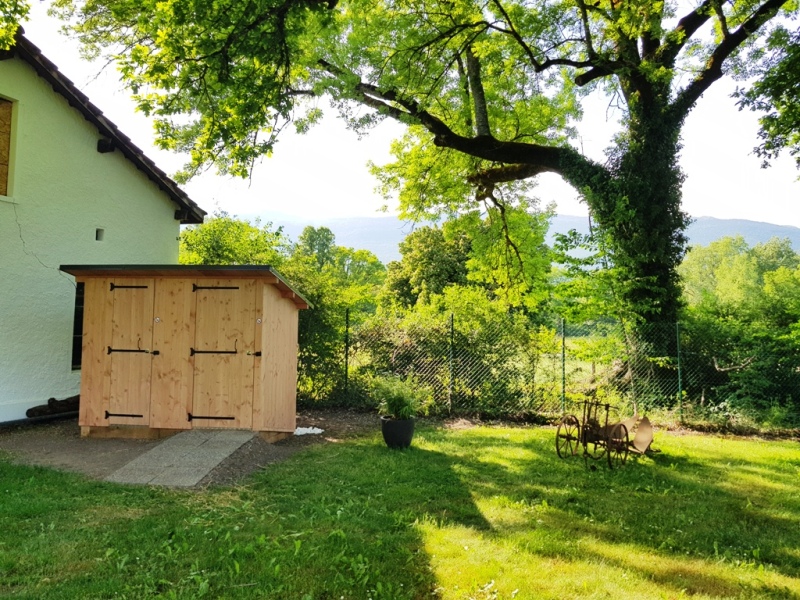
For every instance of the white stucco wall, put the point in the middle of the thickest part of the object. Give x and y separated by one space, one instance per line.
61 191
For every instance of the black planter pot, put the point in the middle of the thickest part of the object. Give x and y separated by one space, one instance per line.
397 433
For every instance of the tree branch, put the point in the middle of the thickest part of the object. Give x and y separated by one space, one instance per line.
651 43
521 160
592 74
587 32
489 177
686 99
683 32
478 95
745 363
515 34
723 21
462 75
539 66
501 207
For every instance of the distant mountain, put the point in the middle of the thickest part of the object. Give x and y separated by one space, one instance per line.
705 230
382 235
379 235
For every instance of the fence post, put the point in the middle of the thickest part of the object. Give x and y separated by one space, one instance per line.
680 372
450 364
346 346
563 366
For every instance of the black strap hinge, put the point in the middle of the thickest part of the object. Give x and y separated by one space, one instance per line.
130 350
196 287
196 417
235 350
108 414
114 286
192 352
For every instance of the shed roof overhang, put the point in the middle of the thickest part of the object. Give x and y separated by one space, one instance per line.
260 272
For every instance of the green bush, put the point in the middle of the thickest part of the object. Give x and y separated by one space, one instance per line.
400 398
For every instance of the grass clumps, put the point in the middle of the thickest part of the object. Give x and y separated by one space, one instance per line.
486 513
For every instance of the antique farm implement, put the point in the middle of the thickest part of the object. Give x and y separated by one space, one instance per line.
601 439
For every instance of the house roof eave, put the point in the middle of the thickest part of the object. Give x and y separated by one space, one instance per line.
188 212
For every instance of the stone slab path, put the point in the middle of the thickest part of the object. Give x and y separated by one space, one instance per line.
182 460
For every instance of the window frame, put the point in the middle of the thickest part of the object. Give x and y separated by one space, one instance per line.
77 326
6 130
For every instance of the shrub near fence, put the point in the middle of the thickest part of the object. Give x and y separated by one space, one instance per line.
517 369
507 370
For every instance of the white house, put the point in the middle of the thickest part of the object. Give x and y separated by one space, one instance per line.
73 190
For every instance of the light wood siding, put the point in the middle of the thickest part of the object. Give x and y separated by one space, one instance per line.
5 144
278 374
221 349
223 383
96 364
173 367
131 371
258 363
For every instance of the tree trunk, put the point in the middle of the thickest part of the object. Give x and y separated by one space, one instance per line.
639 215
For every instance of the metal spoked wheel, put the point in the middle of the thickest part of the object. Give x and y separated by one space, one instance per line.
617 446
594 445
568 436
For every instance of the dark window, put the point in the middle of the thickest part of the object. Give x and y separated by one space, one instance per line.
77 328
5 144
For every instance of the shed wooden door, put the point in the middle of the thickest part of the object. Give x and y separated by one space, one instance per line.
96 364
223 353
129 349
173 367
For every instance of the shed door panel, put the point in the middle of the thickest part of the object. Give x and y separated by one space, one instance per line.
96 362
223 354
173 369
129 348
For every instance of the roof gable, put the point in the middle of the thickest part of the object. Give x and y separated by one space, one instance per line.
111 137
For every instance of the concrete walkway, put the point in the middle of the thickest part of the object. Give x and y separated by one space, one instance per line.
183 459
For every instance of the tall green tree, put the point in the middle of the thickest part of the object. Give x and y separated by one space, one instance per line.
776 94
430 262
742 323
336 279
730 280
489 90
357 275
226 240
318 242
12 13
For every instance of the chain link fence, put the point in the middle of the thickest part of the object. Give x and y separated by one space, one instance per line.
493 370
516 369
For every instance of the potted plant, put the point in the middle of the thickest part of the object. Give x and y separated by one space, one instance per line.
399 401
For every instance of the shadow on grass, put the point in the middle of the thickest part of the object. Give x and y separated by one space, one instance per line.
689 525
355 507
334 521
355 519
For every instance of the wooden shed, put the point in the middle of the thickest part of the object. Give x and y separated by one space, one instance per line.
171 347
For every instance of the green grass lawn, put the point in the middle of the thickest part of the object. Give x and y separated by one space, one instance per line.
480 513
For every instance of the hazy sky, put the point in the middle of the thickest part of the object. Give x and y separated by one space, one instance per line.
323 174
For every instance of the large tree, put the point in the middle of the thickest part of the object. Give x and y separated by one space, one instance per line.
11 13
489 89
776 94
